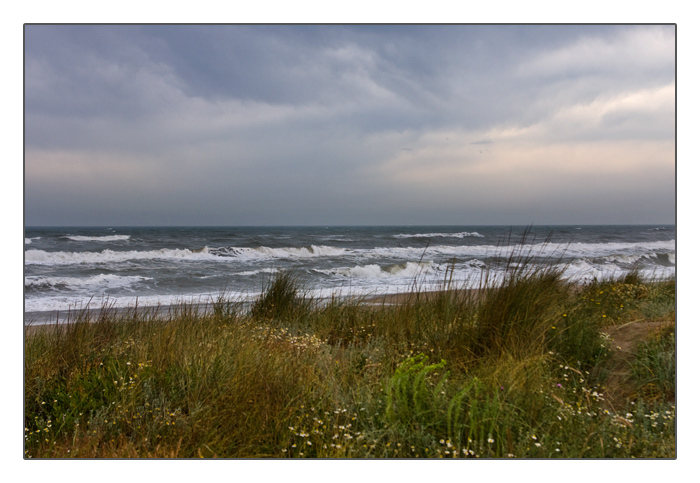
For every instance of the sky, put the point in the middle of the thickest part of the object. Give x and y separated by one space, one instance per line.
349 124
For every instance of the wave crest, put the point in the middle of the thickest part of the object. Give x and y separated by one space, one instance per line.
437 235
101 281
106 238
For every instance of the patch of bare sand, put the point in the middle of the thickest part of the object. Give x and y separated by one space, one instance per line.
625 338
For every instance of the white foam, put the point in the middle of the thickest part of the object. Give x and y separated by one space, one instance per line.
248 273
95 303
584 270
376 272
627 259
106 238
313 251
41 257
604 249
437 235
578 250
101 281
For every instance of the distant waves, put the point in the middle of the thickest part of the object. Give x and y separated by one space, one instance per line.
69 267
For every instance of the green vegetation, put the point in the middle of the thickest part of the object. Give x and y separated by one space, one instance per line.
517 369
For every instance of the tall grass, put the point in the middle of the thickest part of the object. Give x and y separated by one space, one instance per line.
282 298
654 365
512 369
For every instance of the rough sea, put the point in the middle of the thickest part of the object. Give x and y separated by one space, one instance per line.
67 268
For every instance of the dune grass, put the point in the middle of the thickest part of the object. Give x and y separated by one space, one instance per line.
513 369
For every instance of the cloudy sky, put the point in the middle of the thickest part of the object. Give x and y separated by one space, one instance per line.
335 125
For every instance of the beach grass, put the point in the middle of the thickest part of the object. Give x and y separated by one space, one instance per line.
521 367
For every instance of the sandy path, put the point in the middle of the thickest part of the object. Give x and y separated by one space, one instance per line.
624 341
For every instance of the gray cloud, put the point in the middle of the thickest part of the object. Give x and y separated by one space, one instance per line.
259 124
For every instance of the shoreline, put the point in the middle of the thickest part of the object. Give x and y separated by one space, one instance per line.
66 316
54 317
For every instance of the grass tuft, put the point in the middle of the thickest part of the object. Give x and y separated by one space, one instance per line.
283 297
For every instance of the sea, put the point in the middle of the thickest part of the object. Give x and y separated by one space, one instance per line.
73 268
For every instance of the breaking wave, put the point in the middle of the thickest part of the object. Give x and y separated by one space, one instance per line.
106 238
101 281
622 252
437 235
41 257
375 271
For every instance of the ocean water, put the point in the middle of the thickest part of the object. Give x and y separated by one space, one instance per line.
71 267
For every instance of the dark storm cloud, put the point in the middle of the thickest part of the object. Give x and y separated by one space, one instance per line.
337 124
